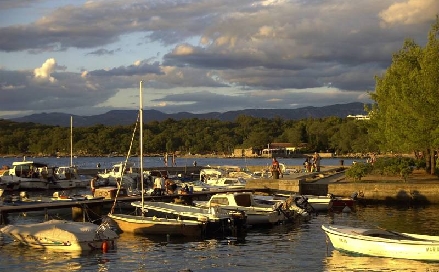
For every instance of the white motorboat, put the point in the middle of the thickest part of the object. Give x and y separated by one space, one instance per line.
219 178
320 203
28 175
63 235
121 173
67 177
383 243
257 214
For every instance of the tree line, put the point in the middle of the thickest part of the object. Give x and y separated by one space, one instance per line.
194 136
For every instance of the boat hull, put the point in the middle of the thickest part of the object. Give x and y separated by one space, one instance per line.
157 226
61 235
403 246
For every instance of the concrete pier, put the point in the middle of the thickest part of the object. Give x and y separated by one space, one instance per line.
332 181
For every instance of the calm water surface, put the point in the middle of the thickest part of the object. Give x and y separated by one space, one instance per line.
291 247
299 247
107 162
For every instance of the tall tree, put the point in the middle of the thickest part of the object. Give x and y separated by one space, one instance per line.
407 97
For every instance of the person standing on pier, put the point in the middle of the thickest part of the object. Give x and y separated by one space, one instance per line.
159 185
275 169
165 159
316 159
174 163
93 184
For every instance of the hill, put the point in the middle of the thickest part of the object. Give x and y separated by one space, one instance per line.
124 117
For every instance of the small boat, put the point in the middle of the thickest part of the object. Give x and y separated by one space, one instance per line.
383 243
342 203
218 224
152 225
257 213
67 177
220 179
63 235
121 173
28 175
320 203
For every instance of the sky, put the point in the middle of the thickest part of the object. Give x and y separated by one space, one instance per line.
88 57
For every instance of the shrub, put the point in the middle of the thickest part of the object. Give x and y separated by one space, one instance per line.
395 166
358 170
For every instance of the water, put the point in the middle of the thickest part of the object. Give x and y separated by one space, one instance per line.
291 247
299 247
107 162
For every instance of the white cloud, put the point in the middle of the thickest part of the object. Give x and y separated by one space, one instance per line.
46 69
410 12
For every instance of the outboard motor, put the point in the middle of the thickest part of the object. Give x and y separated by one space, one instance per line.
302 202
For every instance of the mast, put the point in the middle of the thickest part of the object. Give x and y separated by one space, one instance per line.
71 140
141 144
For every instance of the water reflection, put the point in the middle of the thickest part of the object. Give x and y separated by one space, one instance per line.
343 261
290 247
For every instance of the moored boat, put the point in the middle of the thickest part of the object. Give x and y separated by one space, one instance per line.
383 243
216 224
257 213
67 177
62 235
28 175
152 225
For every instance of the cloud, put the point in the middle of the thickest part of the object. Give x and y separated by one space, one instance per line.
102 51
410 12
200 55
45 70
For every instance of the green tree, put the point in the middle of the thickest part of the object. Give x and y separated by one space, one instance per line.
407 97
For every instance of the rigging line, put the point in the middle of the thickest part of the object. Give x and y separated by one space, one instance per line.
119 183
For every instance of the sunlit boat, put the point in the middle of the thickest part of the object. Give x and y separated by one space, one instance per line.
62 235
383 243
257 213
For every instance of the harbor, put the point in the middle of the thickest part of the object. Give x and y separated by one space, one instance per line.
288 240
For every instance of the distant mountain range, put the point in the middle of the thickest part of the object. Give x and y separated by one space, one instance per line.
126 117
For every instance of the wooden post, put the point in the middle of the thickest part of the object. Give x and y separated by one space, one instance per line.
4 218
87 212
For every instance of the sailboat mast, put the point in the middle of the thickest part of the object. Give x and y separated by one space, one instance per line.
71 140
141 143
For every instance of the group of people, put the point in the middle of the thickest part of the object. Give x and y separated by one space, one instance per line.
312 164
166 186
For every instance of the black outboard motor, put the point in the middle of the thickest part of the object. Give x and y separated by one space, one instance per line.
302 202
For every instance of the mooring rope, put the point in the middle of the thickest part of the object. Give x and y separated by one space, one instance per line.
119 183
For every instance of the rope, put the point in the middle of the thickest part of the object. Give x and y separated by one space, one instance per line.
119 183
